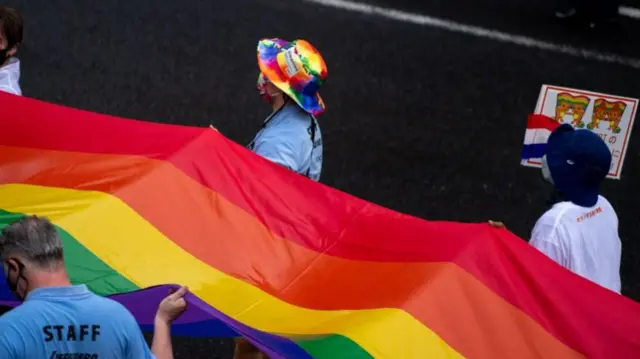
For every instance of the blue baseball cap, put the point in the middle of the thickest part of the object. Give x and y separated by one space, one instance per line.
578 160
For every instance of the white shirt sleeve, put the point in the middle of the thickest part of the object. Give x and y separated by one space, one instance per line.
545 239
9 77
10 89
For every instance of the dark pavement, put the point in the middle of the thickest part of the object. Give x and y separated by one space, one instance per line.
533 18
421 120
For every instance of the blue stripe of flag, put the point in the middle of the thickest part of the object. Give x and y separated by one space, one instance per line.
536 150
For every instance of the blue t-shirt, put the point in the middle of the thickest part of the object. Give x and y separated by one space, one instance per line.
291 138
70 323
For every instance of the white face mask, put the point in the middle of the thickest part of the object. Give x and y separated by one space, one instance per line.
546 173
263 89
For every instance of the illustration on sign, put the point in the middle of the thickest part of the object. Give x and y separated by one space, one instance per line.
610 117
575 106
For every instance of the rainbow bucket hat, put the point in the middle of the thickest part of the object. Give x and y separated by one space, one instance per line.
296 68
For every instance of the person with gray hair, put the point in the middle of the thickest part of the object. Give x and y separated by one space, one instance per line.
61 320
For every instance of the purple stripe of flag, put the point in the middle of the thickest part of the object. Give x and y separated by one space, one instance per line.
199 320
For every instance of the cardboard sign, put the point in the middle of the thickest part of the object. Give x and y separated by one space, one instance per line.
610 117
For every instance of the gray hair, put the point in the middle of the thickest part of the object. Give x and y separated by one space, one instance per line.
33 239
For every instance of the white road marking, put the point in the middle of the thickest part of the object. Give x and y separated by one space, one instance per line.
630 12
424 20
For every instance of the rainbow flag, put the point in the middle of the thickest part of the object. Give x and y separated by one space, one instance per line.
300 269
539 128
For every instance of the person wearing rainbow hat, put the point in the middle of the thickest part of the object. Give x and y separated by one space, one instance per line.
290 75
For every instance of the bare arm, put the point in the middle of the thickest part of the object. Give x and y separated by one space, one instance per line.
161 346
169 309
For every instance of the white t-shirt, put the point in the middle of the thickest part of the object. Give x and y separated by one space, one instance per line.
10 77
583 240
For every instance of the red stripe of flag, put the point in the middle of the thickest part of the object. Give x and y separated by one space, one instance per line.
538 121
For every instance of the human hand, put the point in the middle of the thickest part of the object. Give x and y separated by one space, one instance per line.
172 306
496 224
213 128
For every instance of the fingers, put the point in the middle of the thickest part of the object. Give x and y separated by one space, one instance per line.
179 293
496 224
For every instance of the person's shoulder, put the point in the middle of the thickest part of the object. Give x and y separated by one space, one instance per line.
13 320
607 211
27 307
10 77
295 117
556 214
290 128
10 316
604 202
108 304
112 314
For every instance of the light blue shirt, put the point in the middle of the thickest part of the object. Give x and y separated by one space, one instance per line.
10 77
291 138
70 323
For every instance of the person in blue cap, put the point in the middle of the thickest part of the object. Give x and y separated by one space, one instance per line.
580 231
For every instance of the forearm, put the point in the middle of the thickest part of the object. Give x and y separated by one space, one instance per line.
161 345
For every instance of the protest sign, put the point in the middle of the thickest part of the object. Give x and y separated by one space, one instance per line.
610 117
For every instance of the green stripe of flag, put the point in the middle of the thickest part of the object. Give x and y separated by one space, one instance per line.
85 268
333 347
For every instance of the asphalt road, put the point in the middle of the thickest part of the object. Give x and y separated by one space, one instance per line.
421 120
